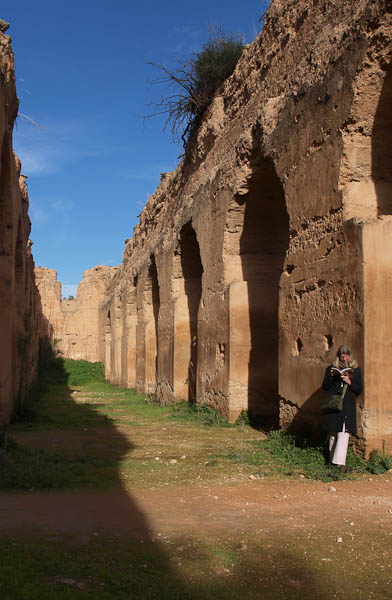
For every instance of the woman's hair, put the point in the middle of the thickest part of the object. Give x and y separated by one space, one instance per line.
343 349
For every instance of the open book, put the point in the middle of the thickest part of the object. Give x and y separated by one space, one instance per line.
345 371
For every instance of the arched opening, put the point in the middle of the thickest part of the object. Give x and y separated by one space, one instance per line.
382 148
262 246
129 351
151 314
108 343
187 288
116 336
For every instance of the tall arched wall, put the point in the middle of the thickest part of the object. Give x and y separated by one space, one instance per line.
287 251
19 299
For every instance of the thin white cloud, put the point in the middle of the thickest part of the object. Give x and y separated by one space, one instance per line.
63 206
39 215
36 161
48 148
44 212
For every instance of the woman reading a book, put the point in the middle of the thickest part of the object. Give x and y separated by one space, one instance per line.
344 378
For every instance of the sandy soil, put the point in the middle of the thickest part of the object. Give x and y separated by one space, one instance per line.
273 506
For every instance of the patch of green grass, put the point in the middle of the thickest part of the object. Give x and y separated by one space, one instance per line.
252 457
378 463
244 418
222 554
281 453
67 371
293 457
57 408
26 468
103 570
54 370
81 372
201 413
283 564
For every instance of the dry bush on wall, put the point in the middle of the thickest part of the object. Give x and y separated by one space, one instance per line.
193 84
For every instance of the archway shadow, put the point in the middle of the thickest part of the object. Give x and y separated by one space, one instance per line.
263 245
192 271
381 147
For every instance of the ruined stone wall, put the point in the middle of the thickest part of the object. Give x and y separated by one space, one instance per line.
19 300
269 246
72 325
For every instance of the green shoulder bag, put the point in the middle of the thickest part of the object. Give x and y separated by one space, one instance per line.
333 402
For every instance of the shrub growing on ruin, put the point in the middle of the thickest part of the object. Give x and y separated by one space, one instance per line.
194 83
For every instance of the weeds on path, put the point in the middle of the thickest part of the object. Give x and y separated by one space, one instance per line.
96 435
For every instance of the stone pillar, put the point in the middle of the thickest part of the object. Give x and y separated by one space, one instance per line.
377 264
239 348
182 346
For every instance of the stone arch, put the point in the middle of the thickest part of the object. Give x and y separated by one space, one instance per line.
187 289
151 305
256 241
381 141
365 171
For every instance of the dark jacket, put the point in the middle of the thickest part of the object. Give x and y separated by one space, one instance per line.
333 422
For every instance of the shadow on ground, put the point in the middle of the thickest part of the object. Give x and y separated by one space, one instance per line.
97 543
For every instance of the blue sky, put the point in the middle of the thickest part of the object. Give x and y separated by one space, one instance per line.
82 77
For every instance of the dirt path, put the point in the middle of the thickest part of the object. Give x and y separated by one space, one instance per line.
231 530
294 539
290 505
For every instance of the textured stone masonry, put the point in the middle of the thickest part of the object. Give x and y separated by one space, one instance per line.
271 244
19 299
72 325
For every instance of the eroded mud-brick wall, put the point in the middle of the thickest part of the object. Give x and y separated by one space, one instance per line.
270 245
19 299
72 325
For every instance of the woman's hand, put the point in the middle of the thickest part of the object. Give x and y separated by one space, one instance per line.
346 379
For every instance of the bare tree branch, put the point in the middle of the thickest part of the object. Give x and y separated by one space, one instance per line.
195 83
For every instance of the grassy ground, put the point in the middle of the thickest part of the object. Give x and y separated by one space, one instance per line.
102 436
87 434
177 568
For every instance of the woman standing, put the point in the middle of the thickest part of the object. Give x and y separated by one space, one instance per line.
340 424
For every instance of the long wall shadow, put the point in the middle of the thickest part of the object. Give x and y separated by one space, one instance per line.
82 513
